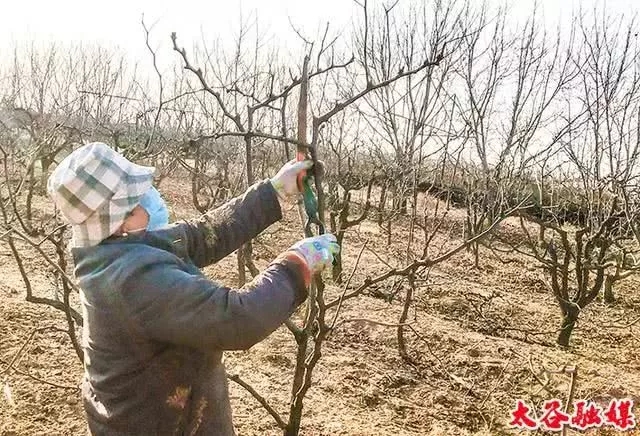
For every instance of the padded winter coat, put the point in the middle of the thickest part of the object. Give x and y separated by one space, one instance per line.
155 327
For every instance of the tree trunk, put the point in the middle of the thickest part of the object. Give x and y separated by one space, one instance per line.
44 175
389 231
336 272
382 203
248 259
295 412
476 255
570 312
541 231
197 182
29 201
242 274
402 347
343 222
399 203
293 428
62 263
608 290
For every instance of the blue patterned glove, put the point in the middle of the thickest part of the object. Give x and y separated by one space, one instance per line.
317 251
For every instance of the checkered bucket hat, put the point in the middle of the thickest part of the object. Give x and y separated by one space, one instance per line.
95 188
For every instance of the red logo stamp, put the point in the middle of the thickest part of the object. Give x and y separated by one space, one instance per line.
586 414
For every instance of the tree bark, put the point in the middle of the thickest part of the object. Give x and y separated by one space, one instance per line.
382 203
570 312
402 346
242 274
608 290
336 272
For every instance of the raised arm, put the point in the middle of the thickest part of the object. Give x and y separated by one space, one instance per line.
171 305
223 230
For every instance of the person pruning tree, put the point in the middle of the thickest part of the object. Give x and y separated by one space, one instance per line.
155 327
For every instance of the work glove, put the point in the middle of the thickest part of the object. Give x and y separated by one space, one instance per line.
285 182
317 251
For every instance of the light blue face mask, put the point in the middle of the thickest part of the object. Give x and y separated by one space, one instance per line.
155 206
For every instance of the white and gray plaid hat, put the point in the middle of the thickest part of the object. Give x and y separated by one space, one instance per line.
95 188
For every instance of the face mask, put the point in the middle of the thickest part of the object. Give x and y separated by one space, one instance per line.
155 206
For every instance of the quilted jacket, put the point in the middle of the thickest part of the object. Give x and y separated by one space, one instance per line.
155 327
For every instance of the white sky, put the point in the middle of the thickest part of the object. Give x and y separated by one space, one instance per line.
118 21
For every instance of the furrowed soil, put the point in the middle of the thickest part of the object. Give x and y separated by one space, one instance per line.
479 339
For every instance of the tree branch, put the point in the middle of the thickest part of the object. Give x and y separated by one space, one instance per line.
263 402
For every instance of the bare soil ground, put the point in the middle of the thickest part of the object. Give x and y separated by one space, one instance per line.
483 338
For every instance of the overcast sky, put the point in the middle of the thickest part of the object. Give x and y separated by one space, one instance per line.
116 23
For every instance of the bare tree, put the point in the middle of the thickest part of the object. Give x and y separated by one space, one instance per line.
263 96
592 245
245 93
512 79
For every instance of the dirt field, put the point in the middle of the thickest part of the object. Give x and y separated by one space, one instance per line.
484 339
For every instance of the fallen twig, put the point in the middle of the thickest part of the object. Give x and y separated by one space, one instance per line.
46 382
624 326
443 367
26 342
504 368
263 402
573 371
372 321
544 385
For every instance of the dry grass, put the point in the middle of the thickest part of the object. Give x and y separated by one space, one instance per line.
486 337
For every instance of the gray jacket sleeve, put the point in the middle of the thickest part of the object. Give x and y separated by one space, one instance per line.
172 302
172 305
223 230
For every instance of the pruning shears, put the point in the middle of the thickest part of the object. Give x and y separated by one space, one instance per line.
309 199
